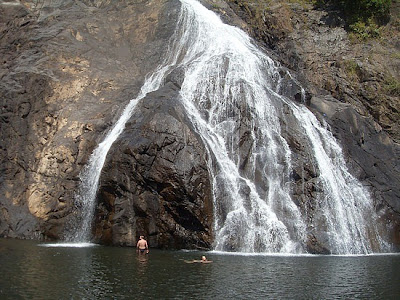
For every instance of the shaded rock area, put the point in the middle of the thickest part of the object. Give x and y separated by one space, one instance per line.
155 181
67 69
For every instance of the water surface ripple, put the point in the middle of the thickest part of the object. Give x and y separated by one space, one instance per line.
33 271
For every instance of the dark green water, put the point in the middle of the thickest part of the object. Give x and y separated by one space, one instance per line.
31 271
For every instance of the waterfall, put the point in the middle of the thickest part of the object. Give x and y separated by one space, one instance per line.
346 207
231 91
228 88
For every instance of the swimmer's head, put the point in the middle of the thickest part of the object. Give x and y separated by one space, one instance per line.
203 258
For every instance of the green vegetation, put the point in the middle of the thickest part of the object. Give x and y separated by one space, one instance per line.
365 30
303 2
396 55
392 86
215 6
363 10
363 17
254 8
352 69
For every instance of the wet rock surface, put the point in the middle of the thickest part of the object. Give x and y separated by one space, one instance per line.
155 180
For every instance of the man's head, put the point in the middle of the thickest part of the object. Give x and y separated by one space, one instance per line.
203 258
141 237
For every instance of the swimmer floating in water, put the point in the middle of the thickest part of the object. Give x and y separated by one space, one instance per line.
203 260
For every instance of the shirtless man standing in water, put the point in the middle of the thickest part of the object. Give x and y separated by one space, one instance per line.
142 246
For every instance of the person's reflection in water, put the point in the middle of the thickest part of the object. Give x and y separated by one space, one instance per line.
142 259
141 277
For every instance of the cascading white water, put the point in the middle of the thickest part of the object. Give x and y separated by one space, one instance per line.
230 92
346 208
229 85
226 80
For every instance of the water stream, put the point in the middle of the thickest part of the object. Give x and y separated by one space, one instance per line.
232 93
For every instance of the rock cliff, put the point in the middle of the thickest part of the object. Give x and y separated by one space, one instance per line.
156 180
69 67
67 70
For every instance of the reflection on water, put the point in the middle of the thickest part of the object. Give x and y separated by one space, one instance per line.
32 271
141 271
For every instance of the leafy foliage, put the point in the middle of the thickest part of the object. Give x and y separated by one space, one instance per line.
363 17
392 86
367 11
365 30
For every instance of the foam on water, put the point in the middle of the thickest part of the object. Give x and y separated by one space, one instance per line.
68 245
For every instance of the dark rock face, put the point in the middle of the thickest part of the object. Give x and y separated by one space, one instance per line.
155 182
67 69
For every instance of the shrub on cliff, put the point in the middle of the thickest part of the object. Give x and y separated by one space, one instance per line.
362 10
377 11
363 17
